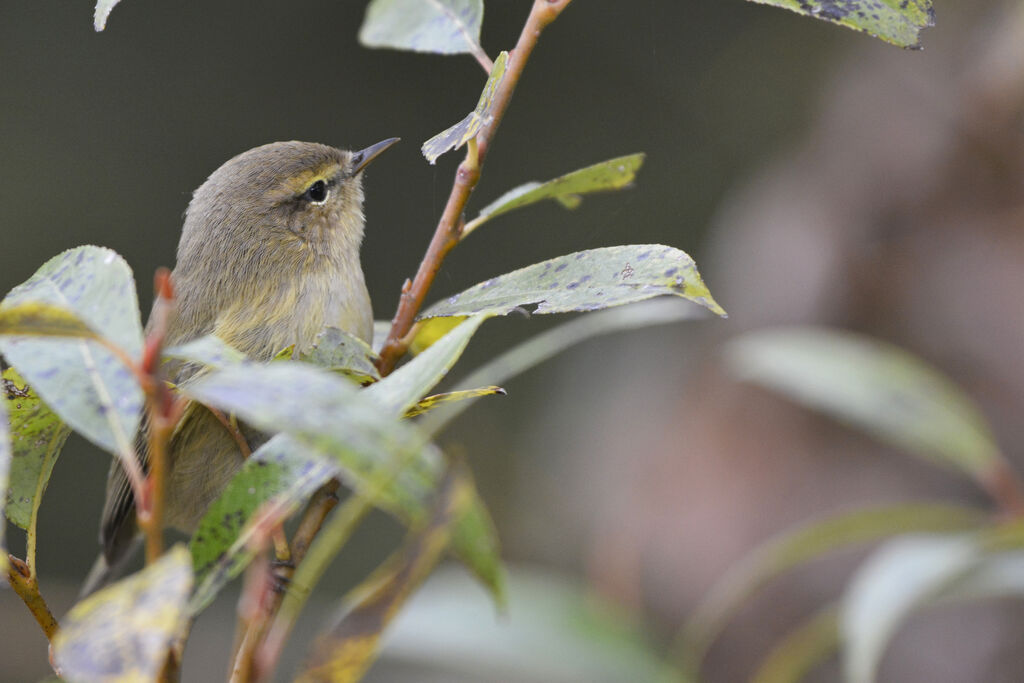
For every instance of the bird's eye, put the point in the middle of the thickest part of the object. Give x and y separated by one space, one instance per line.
317 192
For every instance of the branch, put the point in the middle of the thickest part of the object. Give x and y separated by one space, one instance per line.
449 228
24 583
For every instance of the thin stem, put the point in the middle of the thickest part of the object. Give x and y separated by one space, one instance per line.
26 586
482 58
450 227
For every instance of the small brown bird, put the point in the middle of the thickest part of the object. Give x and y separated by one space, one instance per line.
269 256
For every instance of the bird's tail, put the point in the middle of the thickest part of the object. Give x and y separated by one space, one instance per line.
103 572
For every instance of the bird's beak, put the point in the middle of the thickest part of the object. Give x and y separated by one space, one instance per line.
363 157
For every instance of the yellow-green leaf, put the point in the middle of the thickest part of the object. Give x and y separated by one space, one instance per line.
614 174
800 650
466 129
5 466
429 331
431 402
122 633
895 21
37 437
39 319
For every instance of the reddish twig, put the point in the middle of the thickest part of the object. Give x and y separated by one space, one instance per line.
449 228
163 412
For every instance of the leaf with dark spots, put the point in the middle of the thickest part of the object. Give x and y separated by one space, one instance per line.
37 437
124 631
83 382
895 21
605 277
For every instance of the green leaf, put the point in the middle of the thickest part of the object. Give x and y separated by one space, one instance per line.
585 281
103 9
614 174
283 473
326 413
803 648
81 381
448 632
209 350
428 403
124 632
872 385
897 579
803 544
550 343
38 436
895 21
348 649
402 389
440 26
466 129
339 351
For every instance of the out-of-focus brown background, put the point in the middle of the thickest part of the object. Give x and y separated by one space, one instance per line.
816 175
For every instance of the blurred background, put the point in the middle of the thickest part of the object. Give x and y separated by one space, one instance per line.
816 175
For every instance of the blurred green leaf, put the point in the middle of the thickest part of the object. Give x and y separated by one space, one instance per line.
122 633
800 650
550 343
895 21
37 437
339 351
614 174
448 631
403 388
350 647
808 542
475 540
102 12
209 350
84 383
281 472
897 579
466 129
430 402
328 414
440 26
996 575
585 281
873 385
